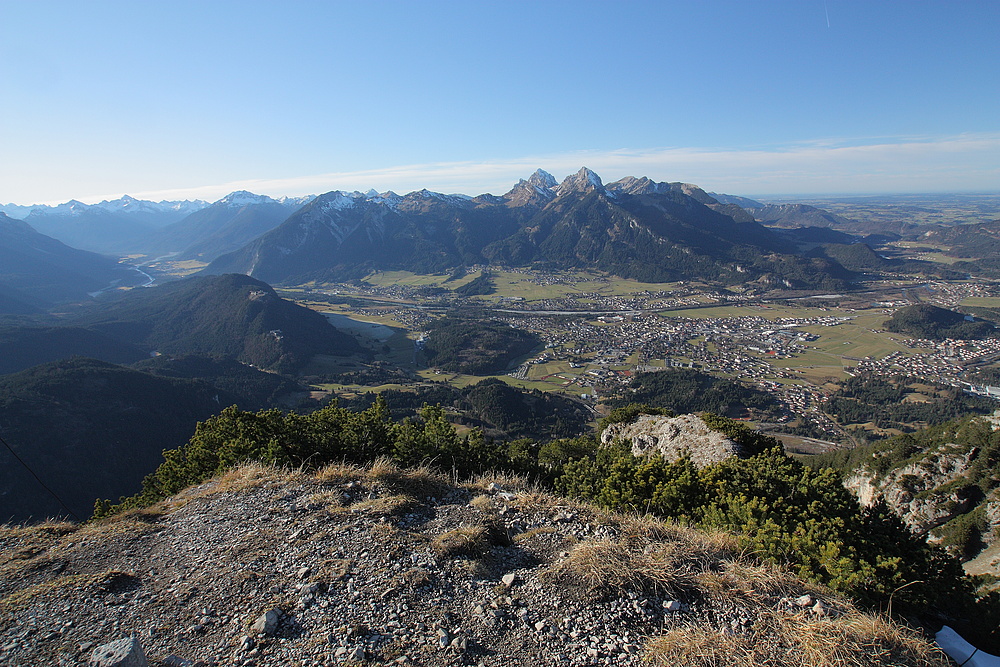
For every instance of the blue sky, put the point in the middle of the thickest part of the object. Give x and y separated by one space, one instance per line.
167 100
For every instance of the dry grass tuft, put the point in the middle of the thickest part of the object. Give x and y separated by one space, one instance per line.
22 543
386 533
73 586
481 502
248 476
703 647
333 569
336 473
419 482
605 566
417 577
849 640
857 639
757 583
534 532
505 480
326 499
396 505
462 541
46 590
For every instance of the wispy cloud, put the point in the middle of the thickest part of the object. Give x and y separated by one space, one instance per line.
900 164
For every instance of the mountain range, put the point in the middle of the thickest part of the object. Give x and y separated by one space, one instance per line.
634 228
108 227
188 229
221 227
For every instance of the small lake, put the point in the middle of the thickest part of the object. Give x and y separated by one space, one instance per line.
379 332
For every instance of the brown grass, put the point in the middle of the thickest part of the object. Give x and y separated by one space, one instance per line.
804 640
82 585
507 481
337 473
419 482
481 502
252 475
756 583
534 532
330 570
139 521
613 566
462 541
21 543
327 499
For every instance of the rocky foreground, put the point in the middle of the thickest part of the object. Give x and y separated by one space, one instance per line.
380 565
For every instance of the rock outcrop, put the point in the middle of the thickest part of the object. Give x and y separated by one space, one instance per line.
673 437
923 493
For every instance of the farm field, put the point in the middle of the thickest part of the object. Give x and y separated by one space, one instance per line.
982 301
527 285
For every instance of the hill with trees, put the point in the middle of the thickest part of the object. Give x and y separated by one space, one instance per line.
252 389
27 346
231 315
901 402
926 321
498 408
90 429
688 390
476 347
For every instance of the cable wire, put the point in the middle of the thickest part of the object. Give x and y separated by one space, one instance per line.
38 479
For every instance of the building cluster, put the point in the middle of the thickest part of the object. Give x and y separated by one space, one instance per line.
605 339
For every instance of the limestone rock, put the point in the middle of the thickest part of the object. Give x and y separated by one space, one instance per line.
672 437
911 491
267 623
125 652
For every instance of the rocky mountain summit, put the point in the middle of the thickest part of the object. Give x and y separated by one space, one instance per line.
382 565
673 437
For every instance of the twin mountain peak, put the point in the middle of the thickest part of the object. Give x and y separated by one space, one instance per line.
635 228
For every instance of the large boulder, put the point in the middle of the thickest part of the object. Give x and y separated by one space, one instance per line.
674 437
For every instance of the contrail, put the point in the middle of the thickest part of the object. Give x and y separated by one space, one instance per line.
827 14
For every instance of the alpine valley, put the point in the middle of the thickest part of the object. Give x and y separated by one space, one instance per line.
813 383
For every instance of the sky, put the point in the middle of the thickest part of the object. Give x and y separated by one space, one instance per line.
180 100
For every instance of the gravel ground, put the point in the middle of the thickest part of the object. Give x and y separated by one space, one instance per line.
378 566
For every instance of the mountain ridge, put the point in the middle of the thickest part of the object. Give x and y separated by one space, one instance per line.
633 228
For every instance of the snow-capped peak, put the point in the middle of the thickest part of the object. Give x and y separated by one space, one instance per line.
339 200
295 201
543 179
582 181
243 198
